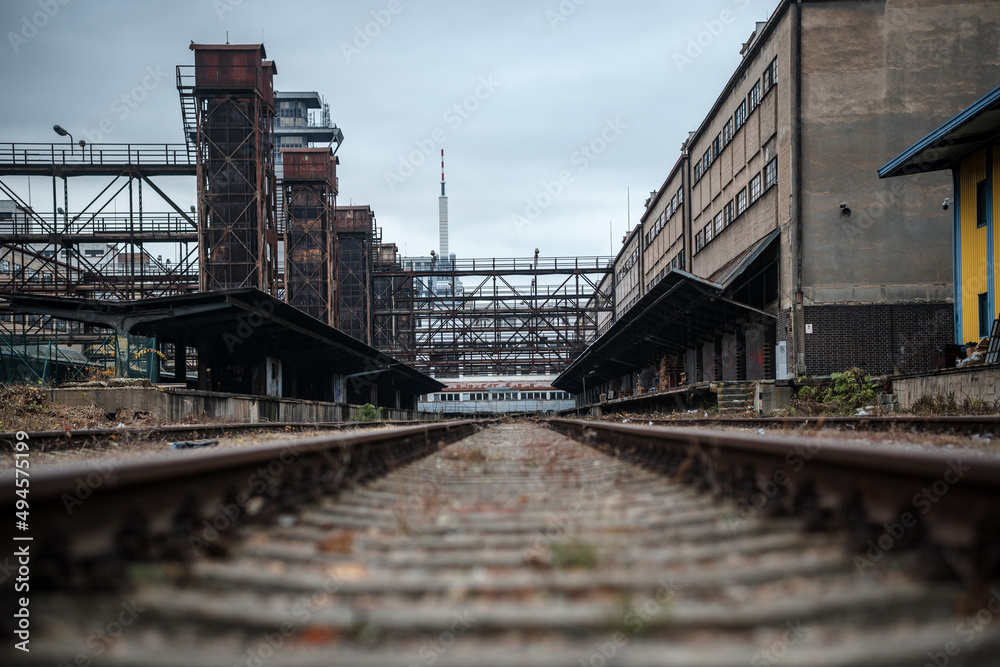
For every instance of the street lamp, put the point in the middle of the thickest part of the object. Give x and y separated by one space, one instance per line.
62 132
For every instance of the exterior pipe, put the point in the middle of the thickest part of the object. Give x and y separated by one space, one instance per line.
798 325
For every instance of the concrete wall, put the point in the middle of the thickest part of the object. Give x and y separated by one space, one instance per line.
877 76
979 382
175 405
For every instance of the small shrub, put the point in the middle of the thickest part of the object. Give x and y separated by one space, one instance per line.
852 389
848 391
368 413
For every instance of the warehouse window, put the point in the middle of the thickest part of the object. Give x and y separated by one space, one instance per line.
741 202
718 223
697 171
741 114
753 99
708 233
771 75
755 188
698 242
984 315
4 266
727 132
730 213
680 260
981 204
771 174
717 146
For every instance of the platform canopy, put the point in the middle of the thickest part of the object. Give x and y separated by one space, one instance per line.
677 313
237 316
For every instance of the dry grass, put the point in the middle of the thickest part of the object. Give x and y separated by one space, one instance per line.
25 408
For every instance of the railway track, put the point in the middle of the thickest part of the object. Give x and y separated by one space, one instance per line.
959 424
62 439
519 545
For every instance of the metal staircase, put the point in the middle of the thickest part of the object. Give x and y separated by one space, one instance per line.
189 108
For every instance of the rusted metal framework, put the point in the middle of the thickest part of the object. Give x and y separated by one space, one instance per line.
94 250
309 194
356 245
230 91
524 316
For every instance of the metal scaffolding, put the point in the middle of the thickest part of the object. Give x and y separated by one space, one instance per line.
43 250
492 322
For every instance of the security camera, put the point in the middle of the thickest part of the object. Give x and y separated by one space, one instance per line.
944 204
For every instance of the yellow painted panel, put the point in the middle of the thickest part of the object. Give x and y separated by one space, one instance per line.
973 244
995 185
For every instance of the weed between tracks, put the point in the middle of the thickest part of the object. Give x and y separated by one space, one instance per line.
573 553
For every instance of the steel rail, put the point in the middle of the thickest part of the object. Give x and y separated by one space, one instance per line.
57 439
928 423
945 503
87 521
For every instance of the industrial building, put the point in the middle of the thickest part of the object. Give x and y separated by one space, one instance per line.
230 316
764 253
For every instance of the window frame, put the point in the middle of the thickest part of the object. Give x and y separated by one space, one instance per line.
742 194
984 315
771 174
755 188
753 97
740 116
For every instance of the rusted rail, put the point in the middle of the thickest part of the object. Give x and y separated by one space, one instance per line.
57 439
967 424
87 521
943 503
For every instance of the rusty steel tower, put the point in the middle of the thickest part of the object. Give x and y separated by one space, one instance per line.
309 194
232 106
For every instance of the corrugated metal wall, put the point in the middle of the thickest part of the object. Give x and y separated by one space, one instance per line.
974 244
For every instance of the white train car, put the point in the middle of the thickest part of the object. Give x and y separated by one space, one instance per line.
521 393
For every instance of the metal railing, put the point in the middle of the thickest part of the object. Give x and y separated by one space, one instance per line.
500 264
39 154
105 223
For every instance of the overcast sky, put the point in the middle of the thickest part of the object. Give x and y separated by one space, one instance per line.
562 107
